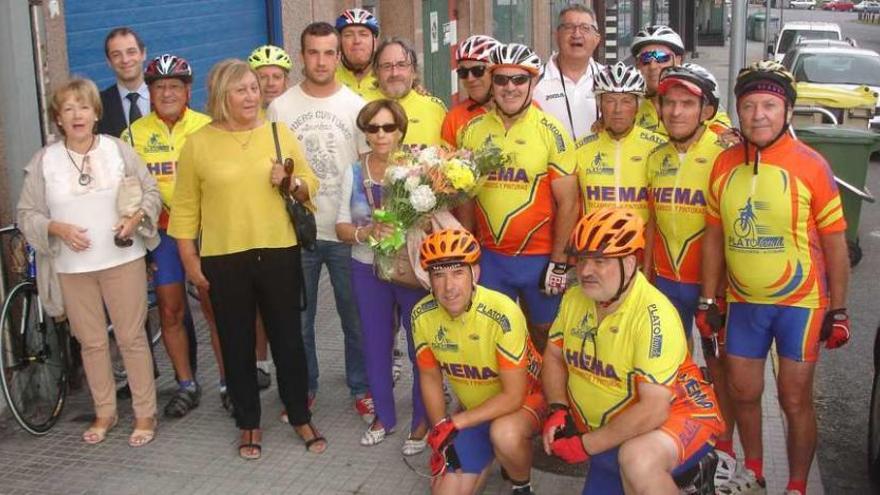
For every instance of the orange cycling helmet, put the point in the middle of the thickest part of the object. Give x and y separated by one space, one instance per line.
608 232
449 247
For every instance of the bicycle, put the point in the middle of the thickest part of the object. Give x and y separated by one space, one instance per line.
874 416
34 353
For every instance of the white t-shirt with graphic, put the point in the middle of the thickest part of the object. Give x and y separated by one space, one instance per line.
327 130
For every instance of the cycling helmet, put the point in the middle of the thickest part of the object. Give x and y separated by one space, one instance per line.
267 55
449 247
357 17
167 66
695 78
608 232
658 34
477 47
769 76
515 55
619 78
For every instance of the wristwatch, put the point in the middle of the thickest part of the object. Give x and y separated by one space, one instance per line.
706 300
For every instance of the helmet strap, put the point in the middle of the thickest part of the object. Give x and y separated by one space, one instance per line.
357 70
624 285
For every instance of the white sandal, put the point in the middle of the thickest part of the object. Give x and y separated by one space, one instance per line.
374 437
413 446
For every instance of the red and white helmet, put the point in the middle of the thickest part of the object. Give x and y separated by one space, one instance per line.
167 66
477 47
516 55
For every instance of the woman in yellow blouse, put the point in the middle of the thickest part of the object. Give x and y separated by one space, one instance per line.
249 256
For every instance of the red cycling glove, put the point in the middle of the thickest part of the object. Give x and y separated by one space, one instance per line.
835 329
708 319
567 442
442 434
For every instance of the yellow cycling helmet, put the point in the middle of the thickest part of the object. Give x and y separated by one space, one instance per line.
267 55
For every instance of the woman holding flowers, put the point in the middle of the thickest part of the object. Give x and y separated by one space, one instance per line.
384 123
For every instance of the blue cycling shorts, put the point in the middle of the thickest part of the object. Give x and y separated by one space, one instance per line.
519 278
169 267
751 328
684 296
474 448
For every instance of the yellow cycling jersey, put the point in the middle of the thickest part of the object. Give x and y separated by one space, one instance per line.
160 147
367 87
773 206
642 340
649 118
515 205
473 349
678 192
425 114
613 172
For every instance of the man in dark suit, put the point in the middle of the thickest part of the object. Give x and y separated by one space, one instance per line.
128 99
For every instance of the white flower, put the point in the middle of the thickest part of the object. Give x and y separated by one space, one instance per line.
429 155
396 173
422 199
412 182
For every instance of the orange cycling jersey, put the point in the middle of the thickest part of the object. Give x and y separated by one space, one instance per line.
678 184
772 208
457 118
475 347
515 206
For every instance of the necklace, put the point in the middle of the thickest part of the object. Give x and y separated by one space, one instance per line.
243 144
85 178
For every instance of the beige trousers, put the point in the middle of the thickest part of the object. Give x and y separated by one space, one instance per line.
123 290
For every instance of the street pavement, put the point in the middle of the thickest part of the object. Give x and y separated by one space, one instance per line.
198 454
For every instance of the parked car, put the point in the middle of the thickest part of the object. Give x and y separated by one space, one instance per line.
836 66
802 4
792 31
838 5
867 6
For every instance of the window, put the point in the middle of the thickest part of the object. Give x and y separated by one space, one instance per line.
789 36
838 68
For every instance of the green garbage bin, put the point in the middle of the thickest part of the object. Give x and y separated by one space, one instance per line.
756 24
848 151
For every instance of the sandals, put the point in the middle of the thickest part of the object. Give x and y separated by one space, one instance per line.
316 439
183 402
249 449
96 434
142 436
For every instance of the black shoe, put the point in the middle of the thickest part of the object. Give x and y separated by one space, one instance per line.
183 402
264 379
523 490
227 402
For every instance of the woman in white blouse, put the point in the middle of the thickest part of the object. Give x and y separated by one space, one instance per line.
68 212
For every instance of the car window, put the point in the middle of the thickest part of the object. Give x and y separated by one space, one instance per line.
837 68
789 36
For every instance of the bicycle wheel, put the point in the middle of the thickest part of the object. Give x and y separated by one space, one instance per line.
33 360
874 416
154 323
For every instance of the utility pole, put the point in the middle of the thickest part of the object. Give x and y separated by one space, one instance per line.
737 52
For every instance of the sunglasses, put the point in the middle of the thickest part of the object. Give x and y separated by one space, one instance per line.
374 128
518 80
659 56
477 71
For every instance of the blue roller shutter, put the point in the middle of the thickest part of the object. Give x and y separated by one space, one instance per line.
204 32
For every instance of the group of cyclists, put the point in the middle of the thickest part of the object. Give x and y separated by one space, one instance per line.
562 307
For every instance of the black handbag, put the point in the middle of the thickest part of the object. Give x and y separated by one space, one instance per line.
302 218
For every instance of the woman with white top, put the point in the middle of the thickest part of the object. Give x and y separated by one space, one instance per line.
89 257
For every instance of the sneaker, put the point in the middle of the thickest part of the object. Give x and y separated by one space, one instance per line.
523 490
373 436
264 379
414 446
725 469
365 409
744 482
396 366
183 401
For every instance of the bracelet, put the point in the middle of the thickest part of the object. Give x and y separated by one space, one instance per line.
357 230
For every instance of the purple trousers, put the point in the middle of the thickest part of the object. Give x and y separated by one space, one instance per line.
377 301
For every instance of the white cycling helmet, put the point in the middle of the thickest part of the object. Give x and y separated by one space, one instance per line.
515 55
478 47
658 34
620 78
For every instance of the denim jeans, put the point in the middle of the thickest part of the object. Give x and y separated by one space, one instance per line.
337 257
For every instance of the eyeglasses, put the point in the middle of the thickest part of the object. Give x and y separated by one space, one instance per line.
477 71
659 56
402 65
518 80
585 28
374 128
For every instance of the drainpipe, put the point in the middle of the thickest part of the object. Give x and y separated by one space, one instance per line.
40 63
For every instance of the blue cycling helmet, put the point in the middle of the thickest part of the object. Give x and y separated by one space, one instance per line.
357 17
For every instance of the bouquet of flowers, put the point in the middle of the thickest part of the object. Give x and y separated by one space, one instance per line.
421 181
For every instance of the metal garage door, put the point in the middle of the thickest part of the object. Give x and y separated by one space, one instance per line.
202 31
